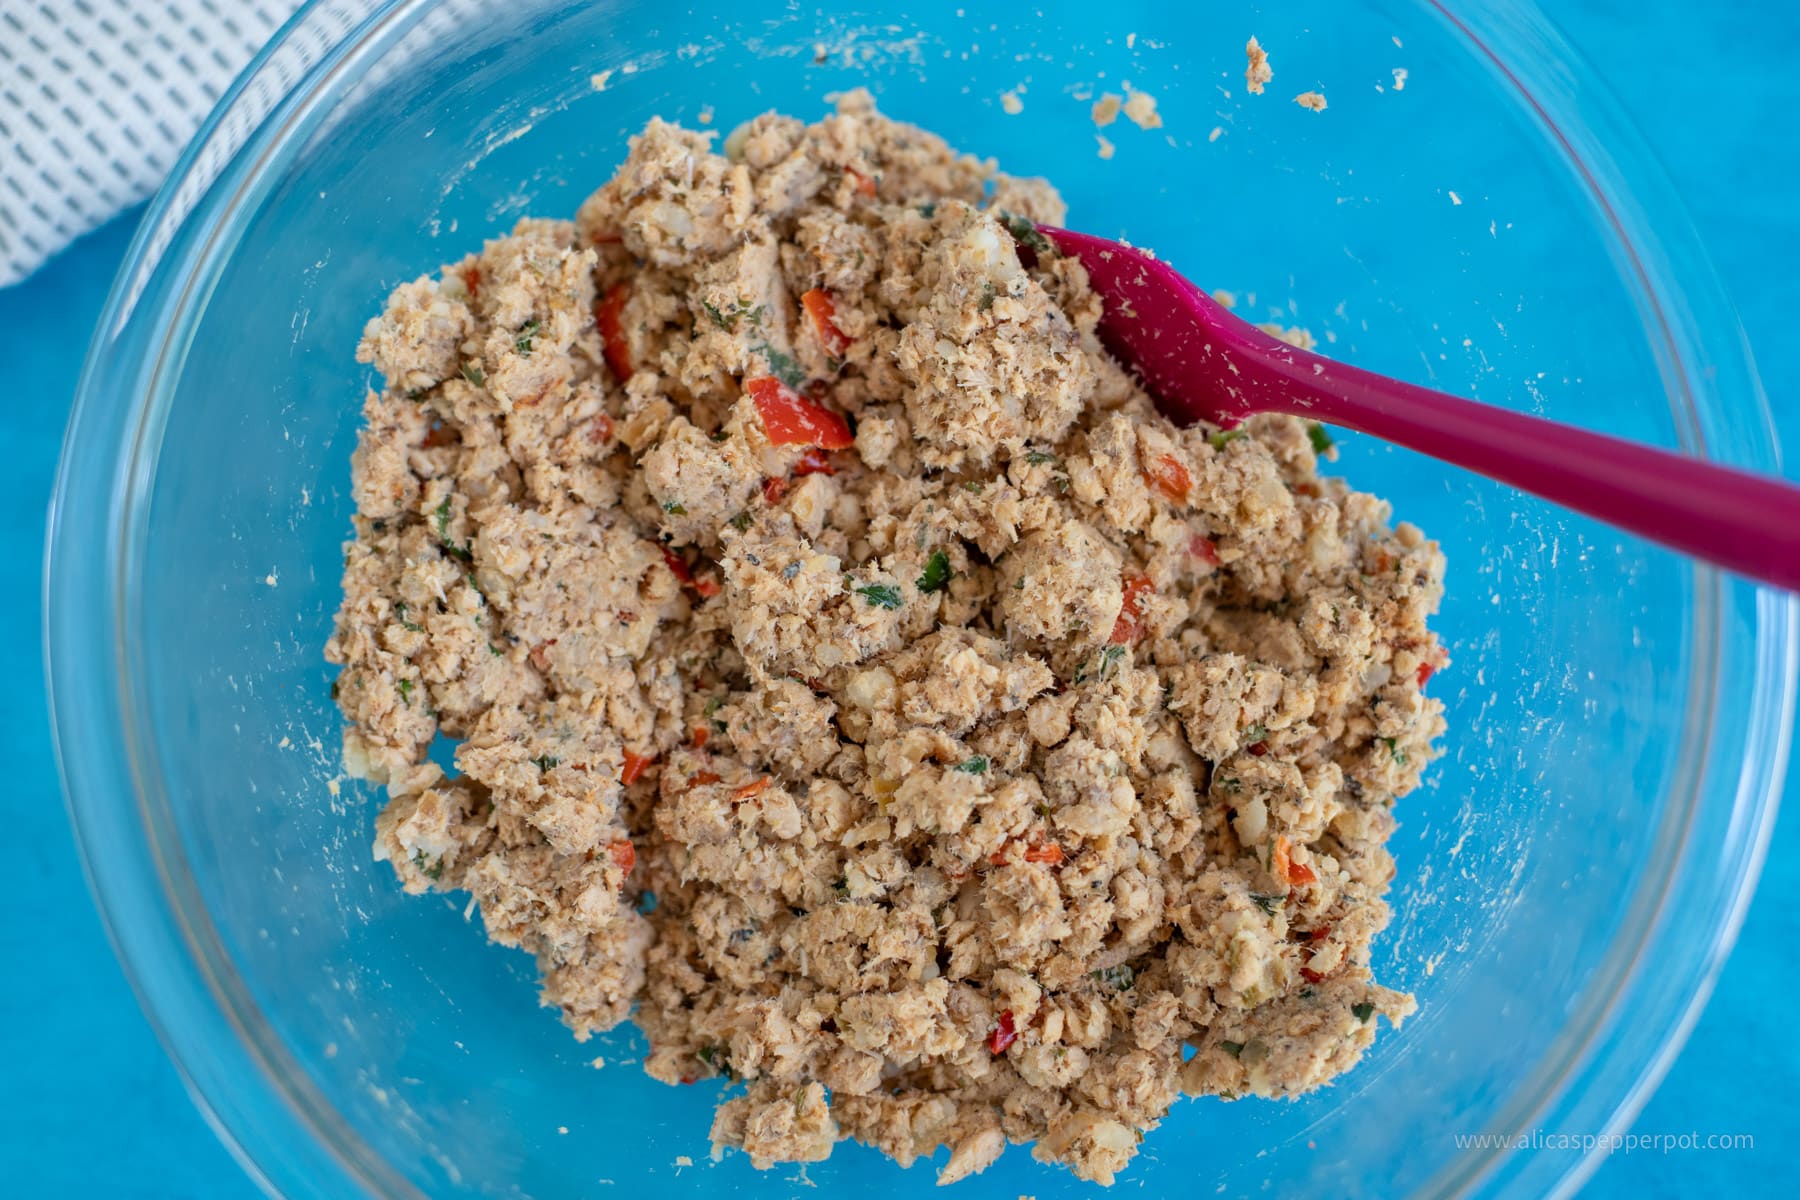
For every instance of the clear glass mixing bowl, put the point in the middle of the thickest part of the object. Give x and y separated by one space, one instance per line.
1568 882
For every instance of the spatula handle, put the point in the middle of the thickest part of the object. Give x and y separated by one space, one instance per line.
1744 523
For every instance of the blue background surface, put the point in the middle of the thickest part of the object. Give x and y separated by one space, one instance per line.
90 1105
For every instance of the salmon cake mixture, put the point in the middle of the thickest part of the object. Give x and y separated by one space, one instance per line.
854 681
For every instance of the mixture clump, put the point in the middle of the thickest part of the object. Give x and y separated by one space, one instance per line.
854 680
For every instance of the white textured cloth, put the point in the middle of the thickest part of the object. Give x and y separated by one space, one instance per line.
97 100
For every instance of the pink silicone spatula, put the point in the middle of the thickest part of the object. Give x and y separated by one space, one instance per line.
1202 363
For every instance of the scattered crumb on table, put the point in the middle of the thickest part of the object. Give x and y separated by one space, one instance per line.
1140 109
1312 100
1258 72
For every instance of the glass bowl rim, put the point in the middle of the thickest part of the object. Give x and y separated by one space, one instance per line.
179 968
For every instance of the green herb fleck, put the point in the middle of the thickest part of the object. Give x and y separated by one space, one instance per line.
443 518
416 393
1315 433
1265 901
527 331
741 522
755 316
1256 733
783 365
545 762
986 303
474 374
977 765
406 687
881 595
1394 749
1025 233
336 690
727 323
675 508
1039 458
1120 977
1232 1048
937 572
1231 785
972 485
708 1055
400 612
494 650
434 871
1224 437
1363 1012
1109 659
713 705
928 209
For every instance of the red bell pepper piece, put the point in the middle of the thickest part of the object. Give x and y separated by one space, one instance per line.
1004 1034
635 766
821 310
752 789
792 420
1169 479
610 314
1130 626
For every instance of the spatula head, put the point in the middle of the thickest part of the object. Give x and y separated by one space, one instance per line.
1177 339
